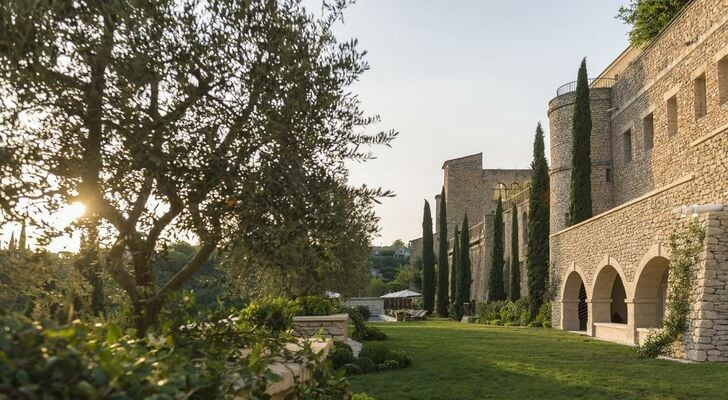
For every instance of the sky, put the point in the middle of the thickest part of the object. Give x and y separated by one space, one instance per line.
463 77
457 77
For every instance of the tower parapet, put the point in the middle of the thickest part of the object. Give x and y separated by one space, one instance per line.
561 115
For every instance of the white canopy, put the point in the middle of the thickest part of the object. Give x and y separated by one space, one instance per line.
402 294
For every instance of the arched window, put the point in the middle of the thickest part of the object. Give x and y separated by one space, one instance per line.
515 188
500 190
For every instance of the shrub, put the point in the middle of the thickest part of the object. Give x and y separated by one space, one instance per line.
316 305
489 311
364 311
543 318
361 330
274 314
366 364
200 360
362 396
383 358
341 355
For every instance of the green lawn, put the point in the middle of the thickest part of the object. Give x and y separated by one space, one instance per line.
470 361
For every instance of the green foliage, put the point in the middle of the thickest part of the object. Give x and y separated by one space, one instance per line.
385 359
428 261
649 17
376 288
488 311
200 360
361 330
455 275
543 318
580 205
362 396
537 251
316 305
686 243
515 283
443 270
341 355
464 279
496 291
43 286
273 314
505 312
364 311
230 121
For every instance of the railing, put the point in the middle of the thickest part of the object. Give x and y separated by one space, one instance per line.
474 232
517 198
595 83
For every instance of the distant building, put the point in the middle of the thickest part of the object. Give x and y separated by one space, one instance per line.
473 190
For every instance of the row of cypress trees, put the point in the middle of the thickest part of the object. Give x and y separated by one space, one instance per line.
537 254
452 291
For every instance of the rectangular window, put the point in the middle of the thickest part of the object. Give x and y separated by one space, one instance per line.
672 115
609 175
627 145
723 79
700 97
648 129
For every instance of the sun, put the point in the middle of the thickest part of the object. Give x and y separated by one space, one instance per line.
69 214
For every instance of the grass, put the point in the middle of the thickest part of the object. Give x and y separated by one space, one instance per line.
470 361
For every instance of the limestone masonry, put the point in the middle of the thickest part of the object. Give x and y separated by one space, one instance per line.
659 141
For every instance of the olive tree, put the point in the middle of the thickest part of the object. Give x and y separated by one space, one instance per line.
227 120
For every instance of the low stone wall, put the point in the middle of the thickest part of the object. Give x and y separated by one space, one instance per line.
331 326
291 372
374 304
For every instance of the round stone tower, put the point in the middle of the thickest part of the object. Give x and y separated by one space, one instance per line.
561 114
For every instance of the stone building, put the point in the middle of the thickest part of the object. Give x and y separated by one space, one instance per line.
659 141
472 190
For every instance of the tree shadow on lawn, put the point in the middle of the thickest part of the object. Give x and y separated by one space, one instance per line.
452 361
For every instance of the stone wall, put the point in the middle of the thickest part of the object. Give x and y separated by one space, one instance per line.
332 326
689 166
561 114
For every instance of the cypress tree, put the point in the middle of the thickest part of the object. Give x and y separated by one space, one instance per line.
537 252
464 279
442 264
428 261
495 281
11 244
22 245
580 206
515 286
455 266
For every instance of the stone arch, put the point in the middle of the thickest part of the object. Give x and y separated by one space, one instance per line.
609 293
500 190
574 307
650 288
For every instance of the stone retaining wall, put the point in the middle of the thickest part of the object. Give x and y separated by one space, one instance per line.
332 326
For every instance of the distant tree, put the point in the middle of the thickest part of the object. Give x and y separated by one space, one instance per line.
454 276
22 240
376 288
428 261
398 243
580 206
89 264
12 244
228 120
537 251
496 292
464 278
418 273
515 286
443 300
649 17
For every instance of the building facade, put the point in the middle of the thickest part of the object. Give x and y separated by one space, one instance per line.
472 190
659 141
